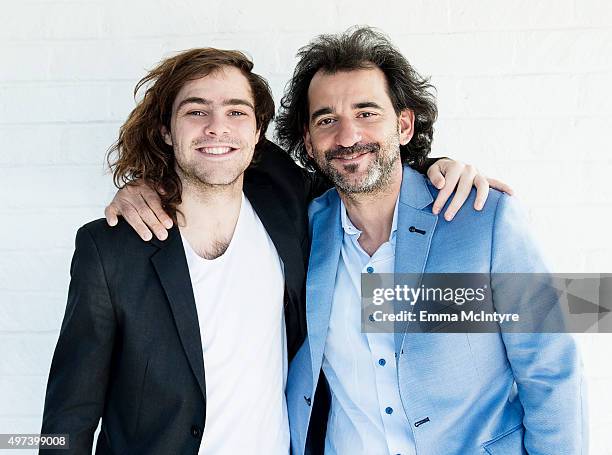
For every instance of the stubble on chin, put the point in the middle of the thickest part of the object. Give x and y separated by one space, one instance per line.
378 174
194 174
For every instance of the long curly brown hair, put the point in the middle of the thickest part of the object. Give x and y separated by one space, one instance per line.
140 151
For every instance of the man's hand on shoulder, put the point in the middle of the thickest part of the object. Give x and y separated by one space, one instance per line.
449 175
141 207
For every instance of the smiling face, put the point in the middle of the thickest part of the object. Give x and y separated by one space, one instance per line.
213 128
353 132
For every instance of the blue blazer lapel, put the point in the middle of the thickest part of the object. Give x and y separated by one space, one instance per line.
415 228
321 278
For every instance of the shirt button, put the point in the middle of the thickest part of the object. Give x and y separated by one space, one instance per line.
195 431
370 269
389 410
382 362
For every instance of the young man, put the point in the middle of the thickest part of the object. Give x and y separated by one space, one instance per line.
140 315
363 113
182 345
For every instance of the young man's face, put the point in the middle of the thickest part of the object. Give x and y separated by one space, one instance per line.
213 129
353 132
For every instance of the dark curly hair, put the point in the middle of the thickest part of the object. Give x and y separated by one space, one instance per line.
140 151
357 48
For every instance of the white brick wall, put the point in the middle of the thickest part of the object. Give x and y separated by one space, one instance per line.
524 92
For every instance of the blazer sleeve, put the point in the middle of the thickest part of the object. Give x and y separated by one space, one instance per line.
546 366
79 372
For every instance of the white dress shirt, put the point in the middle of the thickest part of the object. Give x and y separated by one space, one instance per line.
366 415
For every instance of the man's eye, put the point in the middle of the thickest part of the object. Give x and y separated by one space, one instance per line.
366 114
326 121
196 113
236 113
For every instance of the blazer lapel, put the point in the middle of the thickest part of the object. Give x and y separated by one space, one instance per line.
321 278
279 227
170 264
414 233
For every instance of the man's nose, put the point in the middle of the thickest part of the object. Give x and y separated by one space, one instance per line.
348 134
217 125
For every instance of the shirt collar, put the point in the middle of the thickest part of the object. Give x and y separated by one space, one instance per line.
350 229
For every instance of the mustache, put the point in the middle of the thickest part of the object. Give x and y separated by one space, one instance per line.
207 142
340 151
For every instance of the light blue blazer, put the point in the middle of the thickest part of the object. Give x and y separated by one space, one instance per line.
467 393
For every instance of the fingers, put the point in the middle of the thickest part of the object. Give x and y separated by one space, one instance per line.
462 192
134 219
143 215
500 186
153 201
434 173
459 177
110 213
482 191
150 219
452 174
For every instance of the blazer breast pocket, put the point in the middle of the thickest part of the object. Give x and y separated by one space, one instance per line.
509 443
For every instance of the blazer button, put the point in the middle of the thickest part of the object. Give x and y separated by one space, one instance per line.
196 432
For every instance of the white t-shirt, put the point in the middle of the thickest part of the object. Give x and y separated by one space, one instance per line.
239 300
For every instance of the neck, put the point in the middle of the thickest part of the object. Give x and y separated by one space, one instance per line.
208 215
372 213
202 203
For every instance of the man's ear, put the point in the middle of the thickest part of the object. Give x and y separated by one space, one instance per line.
166 135
308 142
406 126
257 136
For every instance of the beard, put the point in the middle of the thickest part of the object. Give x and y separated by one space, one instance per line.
377 175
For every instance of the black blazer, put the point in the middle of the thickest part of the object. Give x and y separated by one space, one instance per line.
129 349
